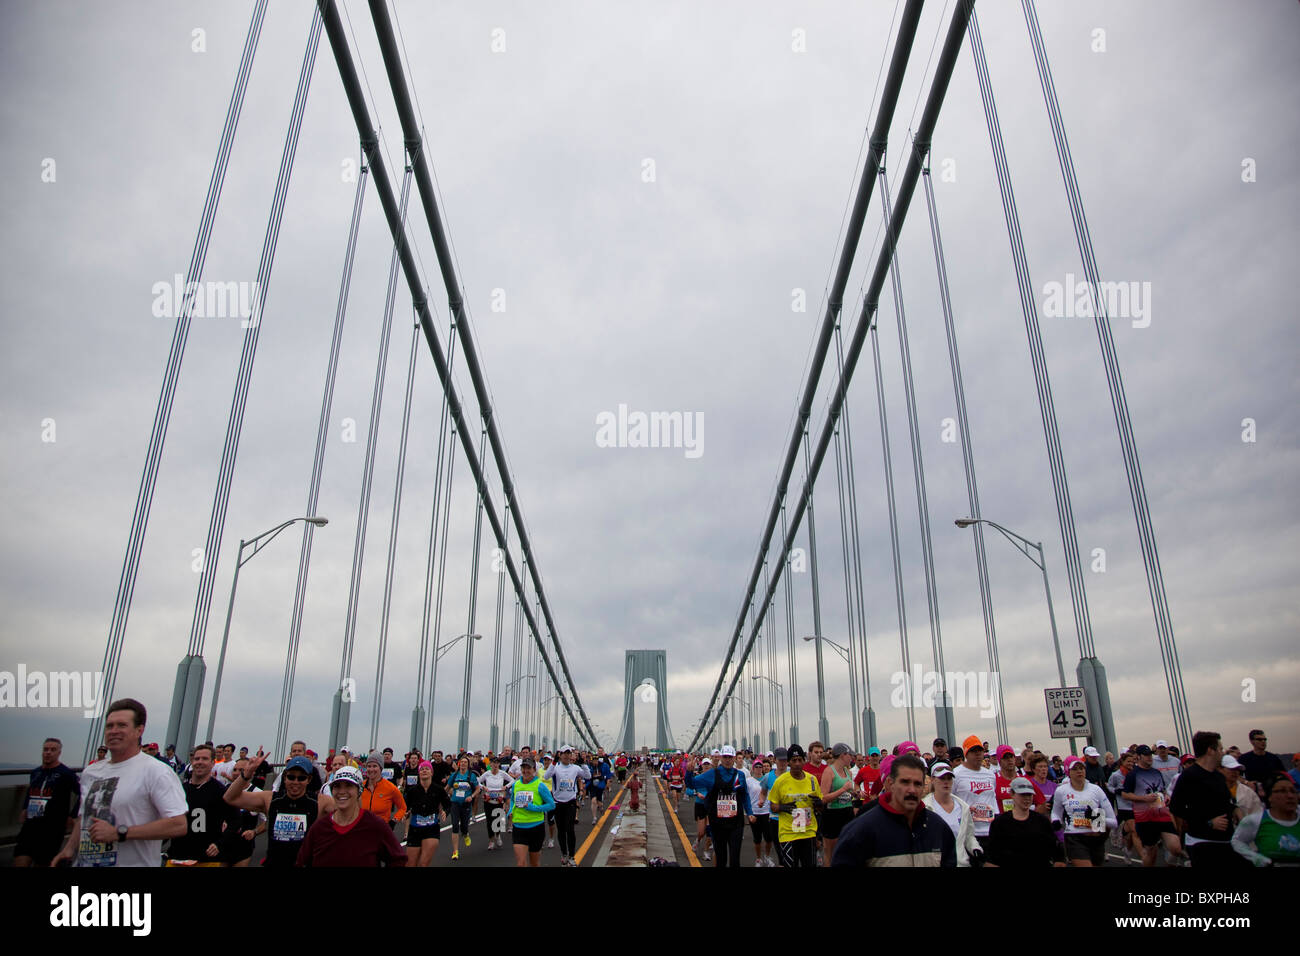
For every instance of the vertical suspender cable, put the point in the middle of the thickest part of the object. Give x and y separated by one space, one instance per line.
967 450
339 718
183 721
494 742
442 576
790 640
318 467
162 414
462 733
858 743
1119 401
943 710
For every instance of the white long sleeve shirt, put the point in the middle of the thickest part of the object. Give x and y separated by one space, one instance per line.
1083 811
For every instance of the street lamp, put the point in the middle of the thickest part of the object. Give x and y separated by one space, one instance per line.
514 736
1023 545
868 715
742 703
444 648
258 543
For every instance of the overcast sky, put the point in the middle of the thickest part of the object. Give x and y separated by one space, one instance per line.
667 295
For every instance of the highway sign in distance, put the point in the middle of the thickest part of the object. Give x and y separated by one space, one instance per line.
1067 712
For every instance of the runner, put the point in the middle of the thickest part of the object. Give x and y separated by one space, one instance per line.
289 813
837 785
677 779
564 779
1007 772
726 802
410 774
1144 788
976 785
429 805
1167 763
1271 837
463 786
496 786
780 764
532 801
350 837
1083 812
1201 800
1124 809
703 838
868 778
600 776
299 749
130 802
237 840
381 797
50 814
1021 838
1259 764
793 797
1243 796
758 803
620 766
953 811
899 830
547 763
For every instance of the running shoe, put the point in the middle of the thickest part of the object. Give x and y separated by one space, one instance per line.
550 844
467 840
707 856
455 856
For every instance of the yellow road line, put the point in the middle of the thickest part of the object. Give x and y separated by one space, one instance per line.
591 837
686 844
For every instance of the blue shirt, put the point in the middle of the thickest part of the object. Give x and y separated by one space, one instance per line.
731 779
461 785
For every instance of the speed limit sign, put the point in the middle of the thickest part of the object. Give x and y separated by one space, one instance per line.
1067 712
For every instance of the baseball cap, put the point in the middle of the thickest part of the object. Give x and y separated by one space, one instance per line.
299 763
527 762
941 769
1162 743
971 743
566 749
873 751
706 760
727 751
794 750
348 775
715 752
908 746
780 753
1143 750
1091 752
840 750
939 742
1002 750
1071 760
1022 785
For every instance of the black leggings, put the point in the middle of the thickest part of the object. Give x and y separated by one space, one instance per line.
492 813
727 838
797 852
565 815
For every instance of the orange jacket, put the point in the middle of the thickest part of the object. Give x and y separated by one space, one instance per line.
385 801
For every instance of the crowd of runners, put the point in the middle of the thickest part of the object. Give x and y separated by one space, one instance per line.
968 805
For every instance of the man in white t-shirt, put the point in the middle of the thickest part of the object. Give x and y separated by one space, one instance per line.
224 768
1166 763
976 785
130 803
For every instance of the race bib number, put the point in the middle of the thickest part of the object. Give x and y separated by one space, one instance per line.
412 779
1079 820
36 807
799 818
90 853
568 786
524 799
388 773
1007 804
425 820
981 813
495 794
726 807
289 827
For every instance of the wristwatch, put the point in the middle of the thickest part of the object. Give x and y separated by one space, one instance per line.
121 832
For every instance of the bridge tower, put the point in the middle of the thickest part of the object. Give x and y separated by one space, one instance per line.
645 678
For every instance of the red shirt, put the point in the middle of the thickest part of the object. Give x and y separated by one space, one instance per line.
869 778
366 841
1003 794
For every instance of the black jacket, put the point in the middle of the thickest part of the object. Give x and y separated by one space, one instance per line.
881 837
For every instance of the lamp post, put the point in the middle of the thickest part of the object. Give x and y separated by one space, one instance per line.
258 543
742 703
780 691
868 715
514 735
1024 545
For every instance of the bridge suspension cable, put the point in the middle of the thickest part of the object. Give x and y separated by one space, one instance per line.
171 374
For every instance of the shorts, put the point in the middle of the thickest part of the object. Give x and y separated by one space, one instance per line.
1086 846
40 847
1123 815
597 794
701 811
675 786
530 837
773 827
759 828
833 821
417 835
1149 832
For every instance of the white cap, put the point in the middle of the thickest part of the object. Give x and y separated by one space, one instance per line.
1162 743
1230 762
566 749
1091 752
706 760
728 751
716 752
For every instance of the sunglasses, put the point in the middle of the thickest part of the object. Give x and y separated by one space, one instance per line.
298 778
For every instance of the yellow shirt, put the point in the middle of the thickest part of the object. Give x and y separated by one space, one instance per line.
799 823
